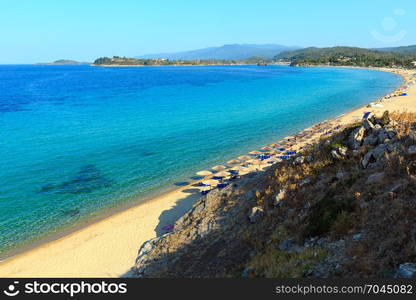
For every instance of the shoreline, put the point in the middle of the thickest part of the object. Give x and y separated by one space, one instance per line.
173 65
199 65
84 222
93 235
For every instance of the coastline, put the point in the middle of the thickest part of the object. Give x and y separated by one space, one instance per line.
173 65
89 251
199 65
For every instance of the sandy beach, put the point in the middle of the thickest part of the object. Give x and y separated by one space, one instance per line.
108 248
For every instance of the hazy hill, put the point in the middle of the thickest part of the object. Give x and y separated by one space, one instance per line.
402 49
227 52
348 56
314 52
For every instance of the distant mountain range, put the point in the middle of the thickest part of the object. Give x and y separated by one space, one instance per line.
351 56
226 52
314 52
402 49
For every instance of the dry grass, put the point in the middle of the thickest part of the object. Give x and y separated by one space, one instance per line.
339 208
275 263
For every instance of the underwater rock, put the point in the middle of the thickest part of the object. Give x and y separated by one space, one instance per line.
71 212
88 179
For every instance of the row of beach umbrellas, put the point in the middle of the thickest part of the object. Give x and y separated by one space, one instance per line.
242 165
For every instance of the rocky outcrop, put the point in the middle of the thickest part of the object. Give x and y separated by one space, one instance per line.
375 177
356 138
346 208
256 214
215 222
406 270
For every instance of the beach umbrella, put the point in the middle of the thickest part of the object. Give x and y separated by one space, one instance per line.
222 185
255 152
244 157
233 161
205 188
219 167
204 173
266 148
211 182
245 171
223 174
237 168
271 161
252 168
290 153
254 161
263 157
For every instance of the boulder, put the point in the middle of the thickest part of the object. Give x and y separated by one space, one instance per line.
279 197
356 237
376 177
246 273
367 159
339 153
379 150
299 160
144 251
342 151
412 136
368 125
412 150
304 182
355 153
383 121
374 155
391 133
340 175
396 187
382 135
356 138
406 270
334 154
392 147
256 214
371 140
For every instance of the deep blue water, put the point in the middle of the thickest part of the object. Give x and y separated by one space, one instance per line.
75 140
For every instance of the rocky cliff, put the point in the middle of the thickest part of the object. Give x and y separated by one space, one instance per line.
344 207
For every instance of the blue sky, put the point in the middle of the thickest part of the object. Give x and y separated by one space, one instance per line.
46 30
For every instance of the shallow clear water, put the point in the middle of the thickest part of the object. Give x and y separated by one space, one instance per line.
75 140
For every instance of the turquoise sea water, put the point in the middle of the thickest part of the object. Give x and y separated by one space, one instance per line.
75 140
